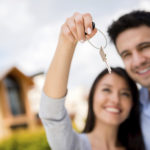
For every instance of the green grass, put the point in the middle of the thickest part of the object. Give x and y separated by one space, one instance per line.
26 140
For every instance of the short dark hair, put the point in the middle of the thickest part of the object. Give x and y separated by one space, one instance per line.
130 20
129 133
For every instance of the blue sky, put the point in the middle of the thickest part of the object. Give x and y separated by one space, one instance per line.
29 31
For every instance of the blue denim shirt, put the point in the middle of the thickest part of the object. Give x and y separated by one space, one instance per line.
145 116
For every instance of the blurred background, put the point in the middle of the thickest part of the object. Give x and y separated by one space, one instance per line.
29 31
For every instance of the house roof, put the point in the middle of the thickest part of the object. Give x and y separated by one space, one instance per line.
16 72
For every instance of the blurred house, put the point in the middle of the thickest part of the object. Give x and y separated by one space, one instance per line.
15 108
20 100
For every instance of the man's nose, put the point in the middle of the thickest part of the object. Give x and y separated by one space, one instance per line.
138 59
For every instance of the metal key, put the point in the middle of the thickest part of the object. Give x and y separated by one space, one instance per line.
103 56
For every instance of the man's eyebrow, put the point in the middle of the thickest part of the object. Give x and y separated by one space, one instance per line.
142 44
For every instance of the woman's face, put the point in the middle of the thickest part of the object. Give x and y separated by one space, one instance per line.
112 100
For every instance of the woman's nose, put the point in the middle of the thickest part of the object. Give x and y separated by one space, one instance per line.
115 98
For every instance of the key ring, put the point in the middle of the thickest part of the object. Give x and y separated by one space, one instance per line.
101 52
104 38
93 26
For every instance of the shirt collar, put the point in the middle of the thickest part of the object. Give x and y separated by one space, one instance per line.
144 96
145 101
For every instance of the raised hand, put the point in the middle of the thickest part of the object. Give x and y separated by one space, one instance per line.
75 27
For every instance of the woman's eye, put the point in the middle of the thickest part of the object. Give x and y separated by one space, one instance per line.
126 94
106 90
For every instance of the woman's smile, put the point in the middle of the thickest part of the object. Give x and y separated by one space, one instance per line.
113 109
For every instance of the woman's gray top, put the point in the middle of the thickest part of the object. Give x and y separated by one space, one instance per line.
58 126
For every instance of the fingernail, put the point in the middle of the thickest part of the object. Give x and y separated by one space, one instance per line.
82 41
89 30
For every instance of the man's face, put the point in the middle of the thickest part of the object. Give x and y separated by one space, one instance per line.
134 48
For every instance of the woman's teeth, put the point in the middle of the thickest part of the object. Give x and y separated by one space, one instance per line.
114 110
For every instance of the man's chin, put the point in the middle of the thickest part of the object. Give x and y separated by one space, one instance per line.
144 83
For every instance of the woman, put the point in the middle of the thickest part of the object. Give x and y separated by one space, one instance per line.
113 117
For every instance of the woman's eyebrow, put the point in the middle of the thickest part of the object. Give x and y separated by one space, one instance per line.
109 85
106 84
127 89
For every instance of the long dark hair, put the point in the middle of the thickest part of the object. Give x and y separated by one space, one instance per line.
129 133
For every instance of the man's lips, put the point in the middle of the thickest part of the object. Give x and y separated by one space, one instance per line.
144 71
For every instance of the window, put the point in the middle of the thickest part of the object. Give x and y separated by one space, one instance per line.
14 96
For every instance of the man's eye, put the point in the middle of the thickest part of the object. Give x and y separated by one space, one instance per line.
126 55
145 47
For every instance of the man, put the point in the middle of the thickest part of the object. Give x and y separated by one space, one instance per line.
131 36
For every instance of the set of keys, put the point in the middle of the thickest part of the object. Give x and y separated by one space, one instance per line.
101 51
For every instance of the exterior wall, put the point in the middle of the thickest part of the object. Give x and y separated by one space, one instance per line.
4 112
77 105
1 121
35 93
6 117
29 114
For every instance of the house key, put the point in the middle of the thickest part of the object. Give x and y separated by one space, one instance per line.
103 56
101 51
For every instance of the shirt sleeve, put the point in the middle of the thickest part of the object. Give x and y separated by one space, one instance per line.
57 124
